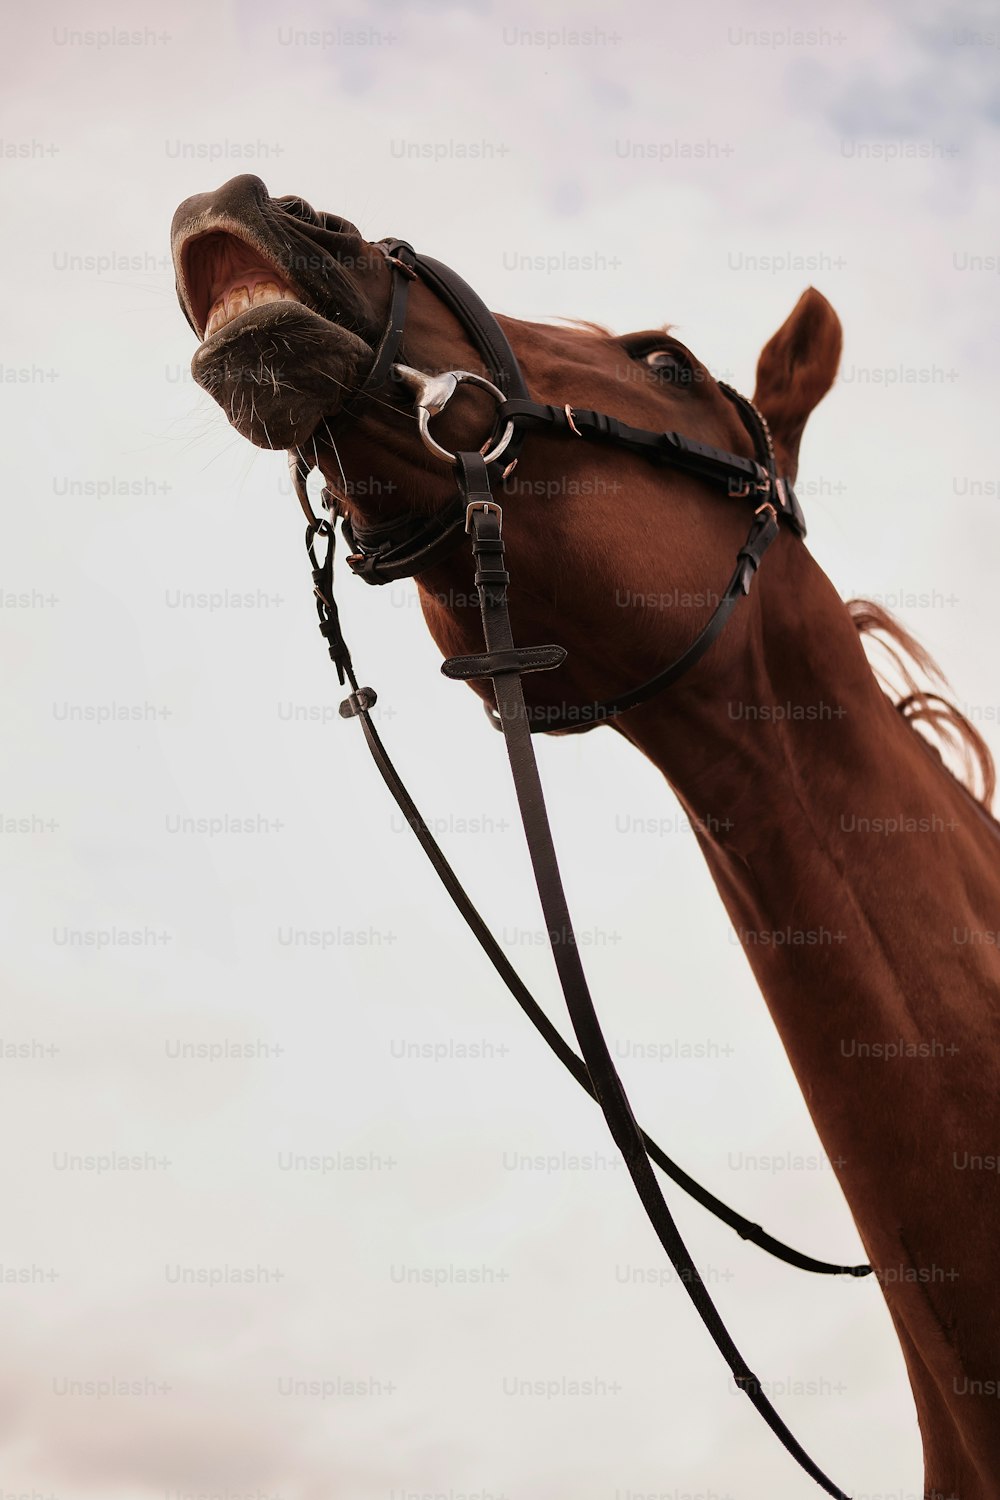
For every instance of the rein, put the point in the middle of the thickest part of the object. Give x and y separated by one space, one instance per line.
403 547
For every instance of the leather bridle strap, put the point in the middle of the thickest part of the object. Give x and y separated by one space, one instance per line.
477 321
501 663
400 257
358 705
740 476
385 553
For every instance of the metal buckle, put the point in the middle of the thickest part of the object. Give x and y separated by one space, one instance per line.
569 418
432 394
486 505
767 506
759 486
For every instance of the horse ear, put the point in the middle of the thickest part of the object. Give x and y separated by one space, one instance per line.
795 370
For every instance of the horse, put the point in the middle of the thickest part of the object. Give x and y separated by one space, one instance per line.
803 781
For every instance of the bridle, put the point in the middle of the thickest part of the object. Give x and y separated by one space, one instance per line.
406 546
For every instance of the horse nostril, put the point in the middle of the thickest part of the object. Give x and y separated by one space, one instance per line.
299 209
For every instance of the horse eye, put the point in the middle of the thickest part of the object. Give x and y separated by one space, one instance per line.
299 209
670 365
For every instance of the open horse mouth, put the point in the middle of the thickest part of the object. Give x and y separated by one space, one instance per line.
226 277
270 288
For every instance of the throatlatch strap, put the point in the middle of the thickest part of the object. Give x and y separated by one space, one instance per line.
485 519
763 531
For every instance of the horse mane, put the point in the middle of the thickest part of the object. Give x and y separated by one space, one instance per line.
584 325
581 325
921 705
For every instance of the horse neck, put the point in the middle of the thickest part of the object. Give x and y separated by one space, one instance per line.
863 883
817 800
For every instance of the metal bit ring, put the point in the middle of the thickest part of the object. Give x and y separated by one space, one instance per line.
432 394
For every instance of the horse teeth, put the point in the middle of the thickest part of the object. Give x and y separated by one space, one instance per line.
237 301
239 298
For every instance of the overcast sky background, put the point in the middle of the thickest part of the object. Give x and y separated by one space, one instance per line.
124 489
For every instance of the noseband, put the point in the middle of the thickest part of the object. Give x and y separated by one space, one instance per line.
406 546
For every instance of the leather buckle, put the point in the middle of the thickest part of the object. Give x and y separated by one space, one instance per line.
486 505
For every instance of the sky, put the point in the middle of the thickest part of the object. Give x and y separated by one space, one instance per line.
296 1205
